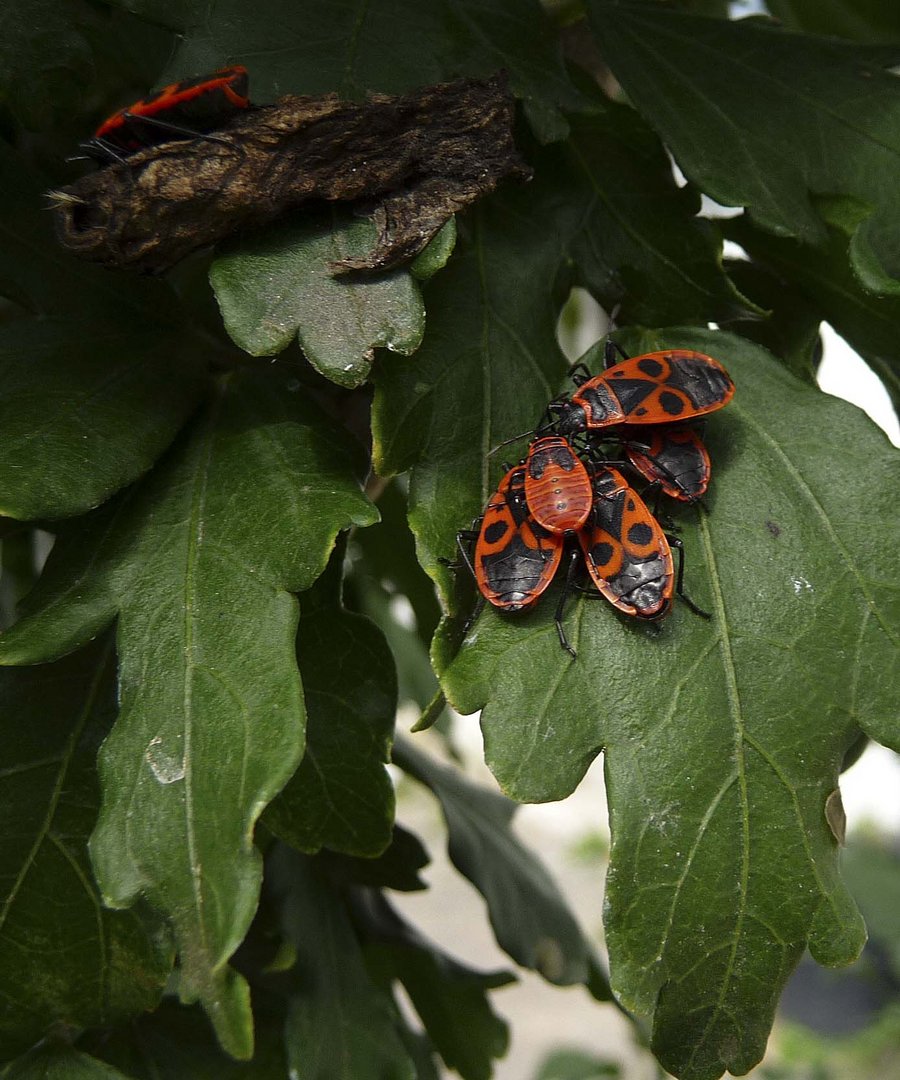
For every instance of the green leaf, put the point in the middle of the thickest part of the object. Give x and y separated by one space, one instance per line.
397 867
387 553
97 385
177 1043
392 46
790 329
633 232
82 415
723 740
862 20
530 918
340 1026
451 999
575 1065
199 562
64 958
60 1062
282 284
761 118
434 257
38 274
341 796
869 324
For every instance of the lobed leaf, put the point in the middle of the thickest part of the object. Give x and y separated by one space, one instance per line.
762 118
723 739
869 324
199 562
529 915
341 796
283 284
64 957
450 998
340 1025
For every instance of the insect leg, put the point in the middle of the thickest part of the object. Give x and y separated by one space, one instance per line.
677 543
609 353
567 588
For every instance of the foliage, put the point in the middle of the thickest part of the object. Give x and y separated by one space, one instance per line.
200 687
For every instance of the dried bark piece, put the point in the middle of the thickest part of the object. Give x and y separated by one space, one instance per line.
410 161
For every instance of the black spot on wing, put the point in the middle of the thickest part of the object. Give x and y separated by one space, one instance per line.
496 531
671 404
650 367
640 534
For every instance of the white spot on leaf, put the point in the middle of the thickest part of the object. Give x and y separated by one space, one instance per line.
165 767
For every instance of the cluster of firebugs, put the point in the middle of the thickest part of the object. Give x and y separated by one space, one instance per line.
566 496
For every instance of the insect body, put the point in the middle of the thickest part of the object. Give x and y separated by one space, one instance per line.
515 558
673 457
626 550
557 485
656 388
184 109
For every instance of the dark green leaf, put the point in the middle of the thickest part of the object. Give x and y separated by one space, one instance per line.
301 46
723 739
177 1043
59 59
388 553
64 958
530 918
97 386
340 1026
82 415
341 796
199 562
761 118
872 869
870 325
397 867
451 999
863 20
36 272
790 329
633 232
60 1062
282 284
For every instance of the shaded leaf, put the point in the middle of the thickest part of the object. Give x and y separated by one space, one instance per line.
397 867
633 232
862 20
82 415
723 740
340 1026
341 796
451 999
528 913
871 325
388 554
199 562
64 958
762 118
434 257
60 1062
99 383
388 46
177 1043
575 1065
283 284
790 329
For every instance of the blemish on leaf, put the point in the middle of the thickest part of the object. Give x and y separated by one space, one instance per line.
801 585
166 768
774 528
